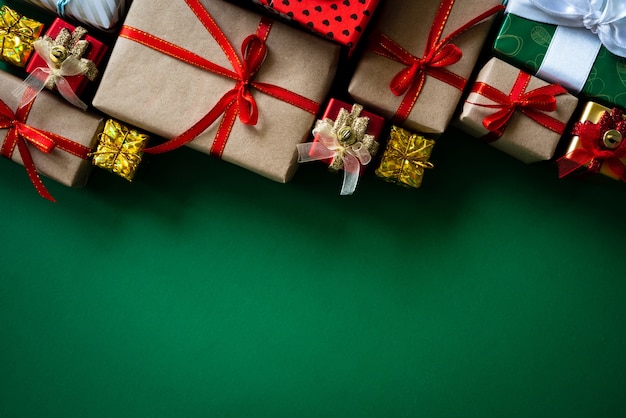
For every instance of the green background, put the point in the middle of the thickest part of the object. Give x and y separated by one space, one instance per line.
203 290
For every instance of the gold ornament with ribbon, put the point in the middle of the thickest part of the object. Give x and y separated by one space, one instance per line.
405 158
120 149
17 35
64 58
345 142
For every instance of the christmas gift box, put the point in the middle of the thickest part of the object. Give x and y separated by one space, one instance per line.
517 113
67 59
418 59
340 20
100 14
598 145
346 138
47 136
120 149
406 158
580 45
176 81
17 34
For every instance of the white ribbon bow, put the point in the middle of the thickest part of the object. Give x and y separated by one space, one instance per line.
604 18
329 145
38 79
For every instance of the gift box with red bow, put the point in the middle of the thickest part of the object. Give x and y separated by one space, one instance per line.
223 80
418 59
598 145
47 136
517 113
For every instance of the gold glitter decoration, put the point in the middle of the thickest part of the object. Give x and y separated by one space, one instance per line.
120 149
17 34
350 128
69 45
405 158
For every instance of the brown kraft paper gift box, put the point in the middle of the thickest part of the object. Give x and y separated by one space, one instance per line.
523 138
408 23
166 96
53 114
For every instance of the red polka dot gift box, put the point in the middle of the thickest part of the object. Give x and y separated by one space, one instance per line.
340 20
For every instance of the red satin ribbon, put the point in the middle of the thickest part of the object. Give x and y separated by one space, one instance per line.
533 104
438 54
591 150
238 101
20 135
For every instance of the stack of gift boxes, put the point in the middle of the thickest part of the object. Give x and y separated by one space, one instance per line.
267 85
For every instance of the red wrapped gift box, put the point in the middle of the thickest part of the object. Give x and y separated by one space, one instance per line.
340 20
96 52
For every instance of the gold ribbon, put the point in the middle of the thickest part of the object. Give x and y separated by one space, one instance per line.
120 149
17 34
406 158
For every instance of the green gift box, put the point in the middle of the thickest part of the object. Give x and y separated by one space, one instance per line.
525 43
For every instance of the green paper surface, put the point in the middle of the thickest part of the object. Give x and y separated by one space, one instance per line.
204 290
524 43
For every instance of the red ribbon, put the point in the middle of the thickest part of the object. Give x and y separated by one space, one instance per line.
438 54
591 150
238 101
20 135
533 104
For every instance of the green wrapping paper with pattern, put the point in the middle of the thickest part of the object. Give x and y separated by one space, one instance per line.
524 43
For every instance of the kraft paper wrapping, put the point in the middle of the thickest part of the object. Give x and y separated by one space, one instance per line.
408 23
165 96
524 139
53 114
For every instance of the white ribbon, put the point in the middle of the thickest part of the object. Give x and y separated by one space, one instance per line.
585 26
38 79
329 146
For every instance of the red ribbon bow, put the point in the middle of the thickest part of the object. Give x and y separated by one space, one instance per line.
236 102
438 54
20 135
591 150
533 104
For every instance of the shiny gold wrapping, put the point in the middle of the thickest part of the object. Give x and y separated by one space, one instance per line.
405 158
17 34
592 113
120 149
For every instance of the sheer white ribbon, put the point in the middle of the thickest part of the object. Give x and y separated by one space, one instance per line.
38 79
584 25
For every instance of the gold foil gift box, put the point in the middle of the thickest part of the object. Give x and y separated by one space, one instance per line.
120 149
17 34
406 158
598 144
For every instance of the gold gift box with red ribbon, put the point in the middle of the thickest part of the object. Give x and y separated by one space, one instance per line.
220 79
598 144
516 113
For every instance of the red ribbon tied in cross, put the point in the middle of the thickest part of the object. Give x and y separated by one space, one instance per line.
238 101
438 54
534 104
21 136
596 147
